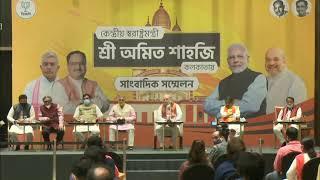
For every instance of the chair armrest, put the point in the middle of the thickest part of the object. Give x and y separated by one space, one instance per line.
180 126
2 123
154 122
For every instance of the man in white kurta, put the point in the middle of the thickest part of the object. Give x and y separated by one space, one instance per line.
124 111
168 111
46 84
86 113
75 84
289 113
22 112
282 83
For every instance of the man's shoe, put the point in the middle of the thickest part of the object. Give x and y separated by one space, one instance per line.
170 147
60 142
26 147
82 146
112 147
17 147
130 148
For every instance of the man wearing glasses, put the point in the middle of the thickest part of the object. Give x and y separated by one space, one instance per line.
52 117
248 88
123 112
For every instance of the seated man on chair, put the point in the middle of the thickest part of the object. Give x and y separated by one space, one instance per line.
220 142
292 146
87 112
168 111
22 112
230 113
125 112
52 117
289 113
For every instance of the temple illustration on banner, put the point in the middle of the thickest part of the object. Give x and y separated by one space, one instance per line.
147 101
162 18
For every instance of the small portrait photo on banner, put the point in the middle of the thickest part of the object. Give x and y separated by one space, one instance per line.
279 8
301 8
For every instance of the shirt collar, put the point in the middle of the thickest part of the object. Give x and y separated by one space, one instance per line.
44 79
75 81
294 142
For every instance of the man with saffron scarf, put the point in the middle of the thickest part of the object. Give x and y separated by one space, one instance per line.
75 84
230 113
290 112
168 111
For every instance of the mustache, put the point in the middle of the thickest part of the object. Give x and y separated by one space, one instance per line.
272 66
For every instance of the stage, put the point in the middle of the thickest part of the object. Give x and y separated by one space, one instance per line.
142 164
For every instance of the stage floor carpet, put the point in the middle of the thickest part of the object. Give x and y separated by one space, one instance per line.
142 164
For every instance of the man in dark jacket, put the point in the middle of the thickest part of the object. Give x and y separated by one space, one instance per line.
19 113
52 116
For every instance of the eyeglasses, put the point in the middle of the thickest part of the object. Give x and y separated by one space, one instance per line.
121 100
47 101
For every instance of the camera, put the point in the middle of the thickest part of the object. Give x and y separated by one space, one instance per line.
224 130
121 121
222 127
213 123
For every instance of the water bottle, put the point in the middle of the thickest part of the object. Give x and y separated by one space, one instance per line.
261 141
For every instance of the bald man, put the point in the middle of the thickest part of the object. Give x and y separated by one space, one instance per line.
100 172
219 138
282 83
122 111
46 84
248 88
168 111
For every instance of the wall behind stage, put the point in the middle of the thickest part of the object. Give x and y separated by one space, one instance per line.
63 26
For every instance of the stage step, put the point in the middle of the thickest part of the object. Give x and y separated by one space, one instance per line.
154 166
152 175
